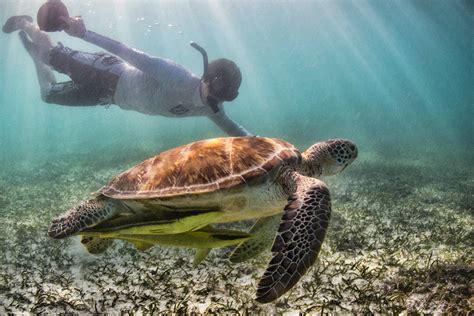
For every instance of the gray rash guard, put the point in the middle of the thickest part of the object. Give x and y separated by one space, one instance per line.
157 86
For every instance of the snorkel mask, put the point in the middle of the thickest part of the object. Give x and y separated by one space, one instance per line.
222 76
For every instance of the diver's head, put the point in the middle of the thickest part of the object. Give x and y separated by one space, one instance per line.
223 79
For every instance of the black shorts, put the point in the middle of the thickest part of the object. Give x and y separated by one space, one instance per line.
94 77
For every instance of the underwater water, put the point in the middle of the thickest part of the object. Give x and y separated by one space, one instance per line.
396 77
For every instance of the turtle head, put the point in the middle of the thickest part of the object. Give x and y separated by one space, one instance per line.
328 158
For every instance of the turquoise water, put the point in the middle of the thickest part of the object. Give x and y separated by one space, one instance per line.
396 77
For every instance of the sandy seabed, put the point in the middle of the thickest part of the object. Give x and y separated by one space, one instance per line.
400 241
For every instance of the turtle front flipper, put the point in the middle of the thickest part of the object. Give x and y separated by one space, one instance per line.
300 235
264 234
86 214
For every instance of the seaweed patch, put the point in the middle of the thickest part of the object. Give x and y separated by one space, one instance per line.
400 241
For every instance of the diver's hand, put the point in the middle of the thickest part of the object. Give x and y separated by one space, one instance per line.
75 26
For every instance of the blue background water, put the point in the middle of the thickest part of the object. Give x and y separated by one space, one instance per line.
394 76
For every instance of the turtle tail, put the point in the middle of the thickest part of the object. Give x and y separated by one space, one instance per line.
87 214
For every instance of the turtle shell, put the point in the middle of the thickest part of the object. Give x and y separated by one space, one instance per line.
203 166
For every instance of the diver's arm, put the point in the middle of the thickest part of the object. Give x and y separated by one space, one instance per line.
132 56
158 68
228 125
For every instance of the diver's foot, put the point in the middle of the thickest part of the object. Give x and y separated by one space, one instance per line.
28 44
14 23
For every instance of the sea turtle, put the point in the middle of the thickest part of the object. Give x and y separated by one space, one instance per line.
180 192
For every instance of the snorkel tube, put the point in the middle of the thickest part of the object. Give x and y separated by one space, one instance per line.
205 61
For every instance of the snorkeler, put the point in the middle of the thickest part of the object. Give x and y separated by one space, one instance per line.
134 81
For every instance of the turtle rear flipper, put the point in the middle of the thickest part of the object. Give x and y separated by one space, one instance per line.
86 214
300 235
96 245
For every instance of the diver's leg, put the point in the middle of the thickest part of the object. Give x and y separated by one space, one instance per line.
94 77
43 42
64 93
41 39
46 78
14 23
71 94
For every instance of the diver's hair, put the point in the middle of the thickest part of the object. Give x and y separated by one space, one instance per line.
224 79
